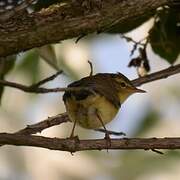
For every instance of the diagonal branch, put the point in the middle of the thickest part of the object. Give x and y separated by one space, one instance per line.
54 121
172 70
71 19
46 80
47 123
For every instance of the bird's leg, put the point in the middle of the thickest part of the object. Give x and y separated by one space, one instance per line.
72 132
107 137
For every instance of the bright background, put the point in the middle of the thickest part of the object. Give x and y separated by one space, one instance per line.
154 114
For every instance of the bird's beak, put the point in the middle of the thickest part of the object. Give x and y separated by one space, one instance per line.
139 90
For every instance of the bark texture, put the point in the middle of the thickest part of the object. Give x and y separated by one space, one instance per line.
73 19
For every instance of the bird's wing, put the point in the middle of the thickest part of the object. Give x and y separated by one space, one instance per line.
100 83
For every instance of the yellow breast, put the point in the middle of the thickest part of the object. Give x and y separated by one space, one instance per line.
84 111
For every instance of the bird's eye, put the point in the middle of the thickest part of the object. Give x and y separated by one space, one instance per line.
123 84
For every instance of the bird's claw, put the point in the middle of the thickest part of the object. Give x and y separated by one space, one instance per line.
108 140
75 138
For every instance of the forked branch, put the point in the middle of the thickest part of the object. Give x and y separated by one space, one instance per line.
25 136
137 82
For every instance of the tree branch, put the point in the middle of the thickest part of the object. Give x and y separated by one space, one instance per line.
137 82
54 121
47 123
46 80
72 145
65 21
172 70
24 137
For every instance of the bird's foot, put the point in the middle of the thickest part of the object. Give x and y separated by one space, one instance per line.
76 141
75 138
108 140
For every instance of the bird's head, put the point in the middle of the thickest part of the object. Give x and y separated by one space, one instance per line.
125 87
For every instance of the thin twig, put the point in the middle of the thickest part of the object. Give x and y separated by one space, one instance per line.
137 82
79 38
157 151
91 67
129 39
50 78
157 75
39 90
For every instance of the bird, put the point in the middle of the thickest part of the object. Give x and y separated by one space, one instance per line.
96 99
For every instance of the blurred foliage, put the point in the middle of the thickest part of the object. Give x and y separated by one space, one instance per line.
165 34
29 65
135 164
6 65
140 163
148 122
47 53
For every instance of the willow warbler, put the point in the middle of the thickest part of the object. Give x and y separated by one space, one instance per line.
98 100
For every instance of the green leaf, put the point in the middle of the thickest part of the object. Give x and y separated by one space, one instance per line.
165 35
